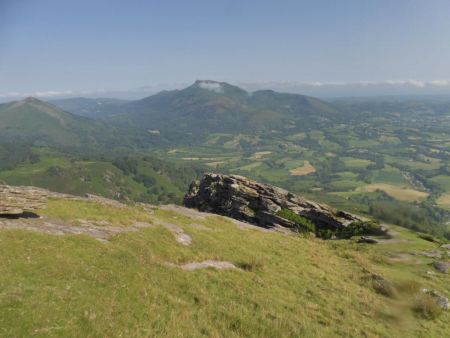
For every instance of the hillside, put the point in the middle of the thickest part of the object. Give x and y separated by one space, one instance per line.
94 267
143 179
40 123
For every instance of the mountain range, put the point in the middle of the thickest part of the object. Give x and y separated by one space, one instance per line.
192 113
205 107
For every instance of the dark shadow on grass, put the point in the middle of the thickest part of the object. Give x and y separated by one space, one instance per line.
25 214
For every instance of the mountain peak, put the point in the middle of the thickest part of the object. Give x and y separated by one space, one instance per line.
219 88
31 99
210 85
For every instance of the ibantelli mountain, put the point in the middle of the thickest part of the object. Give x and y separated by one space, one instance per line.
207 107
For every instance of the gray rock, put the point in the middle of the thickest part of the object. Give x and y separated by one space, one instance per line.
440 300
367 240
257 203
441 266
431 254
17 200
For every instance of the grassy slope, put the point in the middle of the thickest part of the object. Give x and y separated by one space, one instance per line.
36 121
76 286
79 177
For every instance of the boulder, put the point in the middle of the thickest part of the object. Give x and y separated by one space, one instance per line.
441 300
246 200
367 240
442 267
17 200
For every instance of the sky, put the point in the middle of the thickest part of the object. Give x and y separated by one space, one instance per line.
59 48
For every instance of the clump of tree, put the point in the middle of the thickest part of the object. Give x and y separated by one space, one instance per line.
418 217
13 154
165 182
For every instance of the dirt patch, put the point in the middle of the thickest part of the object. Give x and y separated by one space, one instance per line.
243 225
191 213
444 200
58 227
306 169
403 257
180 236
214 164
220 265
400 193
259 155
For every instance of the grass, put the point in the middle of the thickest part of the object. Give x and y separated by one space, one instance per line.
250 166
74 210
443 181
426 307
444 200
400 193
288 286
389 175
306 169
259 155
352 162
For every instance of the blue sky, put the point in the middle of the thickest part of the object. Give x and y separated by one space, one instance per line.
52 47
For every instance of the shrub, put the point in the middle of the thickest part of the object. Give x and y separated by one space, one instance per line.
383 286
361 228
325 233
410 287
427 307
302 224
429 238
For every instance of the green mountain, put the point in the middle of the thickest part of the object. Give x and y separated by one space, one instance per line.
206 107
210 107
43 124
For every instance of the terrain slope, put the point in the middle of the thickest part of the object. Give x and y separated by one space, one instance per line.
96 267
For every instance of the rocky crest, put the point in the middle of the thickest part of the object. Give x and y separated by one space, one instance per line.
17 200
257 203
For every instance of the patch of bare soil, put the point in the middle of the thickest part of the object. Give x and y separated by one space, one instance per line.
57 227
192 213
221 265
180 236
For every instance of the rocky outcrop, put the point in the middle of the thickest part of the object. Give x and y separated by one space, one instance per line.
17 200
246 200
